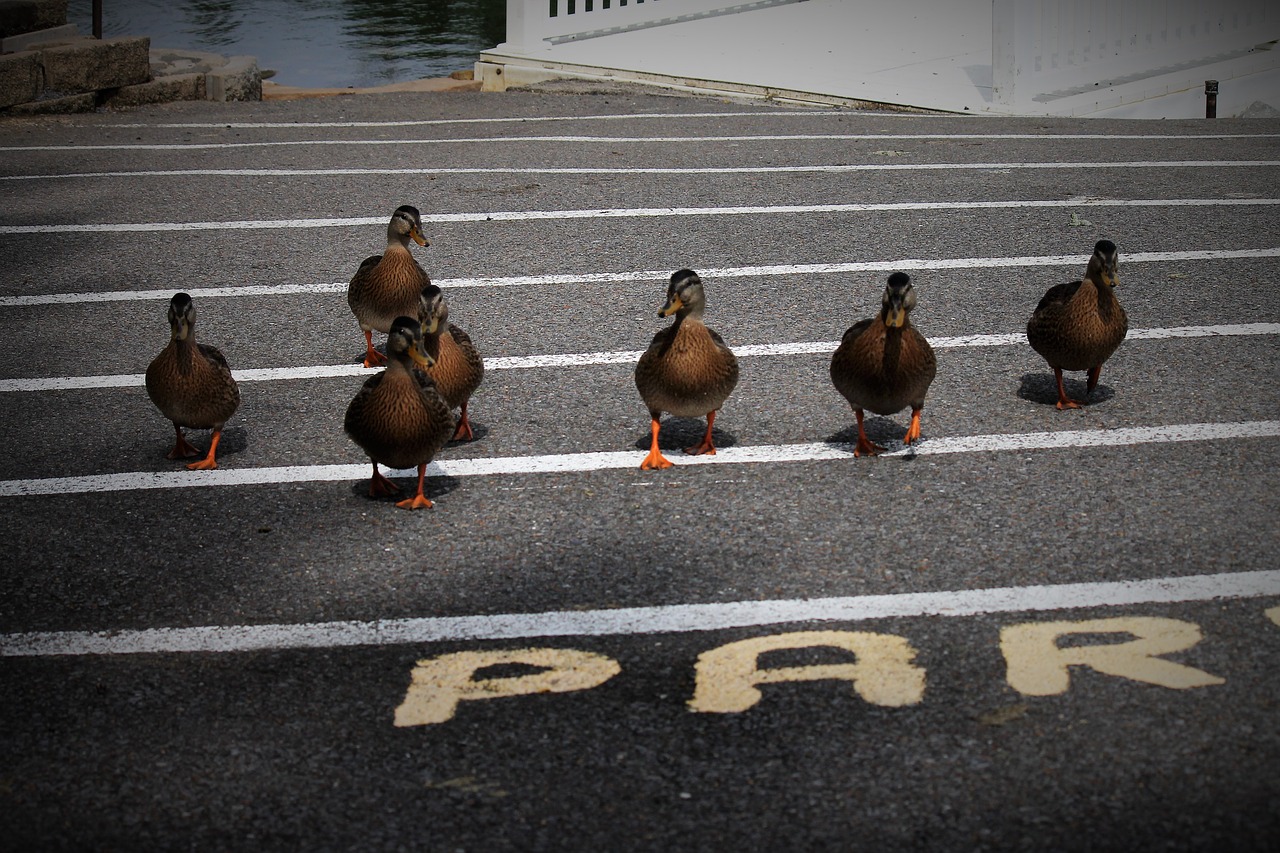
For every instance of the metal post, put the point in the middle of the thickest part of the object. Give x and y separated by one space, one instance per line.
1210 98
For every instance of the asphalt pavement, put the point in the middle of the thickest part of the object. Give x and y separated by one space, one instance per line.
1037 630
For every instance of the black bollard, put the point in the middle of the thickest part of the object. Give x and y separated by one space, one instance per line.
1210 98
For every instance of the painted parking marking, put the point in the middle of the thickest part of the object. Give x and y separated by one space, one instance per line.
1038 666
613 460
640 621
652 275
615 140
673 170
634 212
588 359
883 672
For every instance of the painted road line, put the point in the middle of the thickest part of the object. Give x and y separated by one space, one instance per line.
586 359
653 275
613 460
674 170
643 621
636 140
637 212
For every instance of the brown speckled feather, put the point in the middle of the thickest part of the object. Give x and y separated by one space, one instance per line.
1077 325
687 370
399 418
385 287
191 385
881 369
459 369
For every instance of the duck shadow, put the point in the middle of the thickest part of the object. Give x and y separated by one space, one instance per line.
679 433
433 487
1042 388
882 430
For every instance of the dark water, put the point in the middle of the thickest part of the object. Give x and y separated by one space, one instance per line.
316 42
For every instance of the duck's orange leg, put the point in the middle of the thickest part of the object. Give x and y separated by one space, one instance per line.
913 431
463 432
209 462
1064 402
707 446
865 446
182 449
1094 373
419 500
380 486
655 460
372 357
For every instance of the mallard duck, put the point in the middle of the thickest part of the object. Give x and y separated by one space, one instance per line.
191 384
1079 324
884 364
386 286
687 369
458 367
398 417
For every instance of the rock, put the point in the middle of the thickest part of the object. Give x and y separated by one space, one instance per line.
238 80
29 41
25 16
174 87
82 103
87 65
20 78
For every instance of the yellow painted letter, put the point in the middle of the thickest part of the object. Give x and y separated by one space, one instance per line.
439 684
1274 615
1038 667
882 675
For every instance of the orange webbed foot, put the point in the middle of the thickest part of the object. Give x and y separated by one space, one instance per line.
182 449
655 461
381 487
418 501
463 432
206 464
705 448
867 448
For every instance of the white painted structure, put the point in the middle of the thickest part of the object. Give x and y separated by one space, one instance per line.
1118 58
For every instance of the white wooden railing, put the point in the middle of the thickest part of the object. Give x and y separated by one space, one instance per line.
1047 49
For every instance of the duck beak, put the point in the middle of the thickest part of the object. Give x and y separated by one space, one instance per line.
896 317
673 305
418 238
421 359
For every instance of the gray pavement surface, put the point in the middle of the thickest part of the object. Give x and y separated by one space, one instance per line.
297 747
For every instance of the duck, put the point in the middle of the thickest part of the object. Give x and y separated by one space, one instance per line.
458 368
398 416
688 370
191 384
1078 325
884 364
386 286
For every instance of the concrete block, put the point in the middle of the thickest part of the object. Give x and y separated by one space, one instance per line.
88 64
25 16
21 79
239 80
85 102
173 87
47 36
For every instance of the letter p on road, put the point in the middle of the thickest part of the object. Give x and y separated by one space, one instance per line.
439 684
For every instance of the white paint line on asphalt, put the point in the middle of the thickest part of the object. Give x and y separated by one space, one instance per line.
674 170
643 621
653 275
636 140
585 359
636 212
613 460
